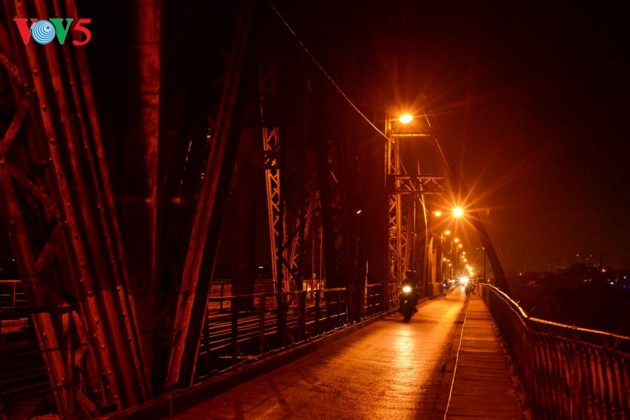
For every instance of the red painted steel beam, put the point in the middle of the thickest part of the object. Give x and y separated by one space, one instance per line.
101 308
139 198
83 249
193 295
108 214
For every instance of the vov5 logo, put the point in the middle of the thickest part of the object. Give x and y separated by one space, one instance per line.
44 31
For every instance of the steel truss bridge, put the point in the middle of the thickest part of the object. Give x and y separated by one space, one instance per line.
139 170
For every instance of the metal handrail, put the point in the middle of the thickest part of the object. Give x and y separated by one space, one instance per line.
562 375
14 297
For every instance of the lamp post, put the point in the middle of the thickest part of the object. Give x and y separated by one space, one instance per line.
403 192
407 188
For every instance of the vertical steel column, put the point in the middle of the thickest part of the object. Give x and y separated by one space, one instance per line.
276 202
395 223
246 174
338 230
332 223
286 202
139 200
108 214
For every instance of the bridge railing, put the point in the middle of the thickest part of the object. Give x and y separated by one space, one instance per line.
566 371
240 328
12 294
256 324
12 304
373 299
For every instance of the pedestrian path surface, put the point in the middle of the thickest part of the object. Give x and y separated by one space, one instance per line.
386 370
483 386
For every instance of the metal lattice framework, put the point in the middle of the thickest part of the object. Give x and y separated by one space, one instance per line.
285 225
62 225
405 194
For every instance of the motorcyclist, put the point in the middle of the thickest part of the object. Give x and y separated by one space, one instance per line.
411 281
470 287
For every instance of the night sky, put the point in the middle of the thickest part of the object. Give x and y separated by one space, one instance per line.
531 105
528 100
544 132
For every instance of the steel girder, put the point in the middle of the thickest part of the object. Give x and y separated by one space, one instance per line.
341 238
291 186
203 244
397 226
59 212
306 168
138 199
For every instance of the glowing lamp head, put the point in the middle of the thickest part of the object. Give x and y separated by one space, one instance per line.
406 289
458 212
405 118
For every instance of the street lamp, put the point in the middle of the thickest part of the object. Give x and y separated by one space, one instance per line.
458 212
405 118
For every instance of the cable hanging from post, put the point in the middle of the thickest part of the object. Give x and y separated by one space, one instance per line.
321 68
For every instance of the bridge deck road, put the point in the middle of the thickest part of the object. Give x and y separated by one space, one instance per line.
386 370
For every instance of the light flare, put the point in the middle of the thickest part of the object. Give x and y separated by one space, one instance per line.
405 118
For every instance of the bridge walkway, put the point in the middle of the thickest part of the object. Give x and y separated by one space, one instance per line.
483 386
386 370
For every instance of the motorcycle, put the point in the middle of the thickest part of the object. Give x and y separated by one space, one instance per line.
408 301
